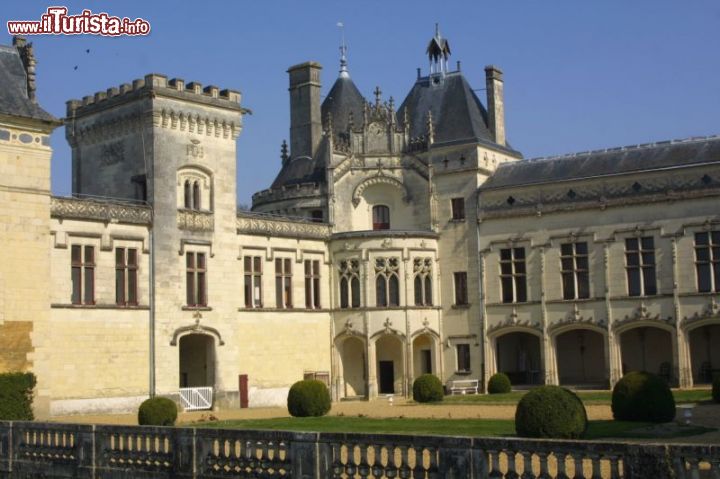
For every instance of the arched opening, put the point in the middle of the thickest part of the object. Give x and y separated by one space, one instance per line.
424 355
352 358
381 217
197 361
390 370
187 198
196 196
648 349
581 360
705 353
518 356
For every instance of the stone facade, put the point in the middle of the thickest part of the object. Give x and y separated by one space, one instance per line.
394 242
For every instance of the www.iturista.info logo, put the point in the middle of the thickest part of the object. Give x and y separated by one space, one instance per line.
56 21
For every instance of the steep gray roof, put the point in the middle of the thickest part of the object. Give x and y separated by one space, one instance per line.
612 161
14 99
458 116
303 169
343 98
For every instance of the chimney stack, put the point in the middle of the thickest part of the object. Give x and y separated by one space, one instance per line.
305 116
495 102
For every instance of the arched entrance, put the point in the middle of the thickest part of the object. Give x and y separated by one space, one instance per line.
581 360
518 355
424 354
390 365
352 363
197 361
705 352
647 348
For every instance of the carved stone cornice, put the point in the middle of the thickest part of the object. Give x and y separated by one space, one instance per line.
710 311
574 318
175 119
379 179
266 225
195 220
512 321
642 314
86 209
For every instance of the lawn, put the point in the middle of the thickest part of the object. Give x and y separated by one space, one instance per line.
588 397
416 426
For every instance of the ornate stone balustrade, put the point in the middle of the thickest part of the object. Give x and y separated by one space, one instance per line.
195 220
65 450
90 209
271 225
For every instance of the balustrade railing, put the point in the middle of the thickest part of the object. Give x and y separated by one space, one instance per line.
29 449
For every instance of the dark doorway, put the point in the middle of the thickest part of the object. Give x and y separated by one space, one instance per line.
426 359
387 377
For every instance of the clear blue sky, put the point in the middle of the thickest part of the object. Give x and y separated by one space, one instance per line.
579 75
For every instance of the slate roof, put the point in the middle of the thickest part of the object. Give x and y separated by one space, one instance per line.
458 116
343 98
612 161
14 99
303 170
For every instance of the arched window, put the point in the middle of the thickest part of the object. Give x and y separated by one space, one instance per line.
350 283
387 283
187 195
381 217
422 269
196 196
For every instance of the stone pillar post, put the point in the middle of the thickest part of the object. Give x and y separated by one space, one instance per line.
372 370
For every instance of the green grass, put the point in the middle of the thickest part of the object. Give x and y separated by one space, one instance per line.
420 426
588 397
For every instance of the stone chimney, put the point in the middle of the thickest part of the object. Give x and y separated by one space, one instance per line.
305 116
25 50
495 103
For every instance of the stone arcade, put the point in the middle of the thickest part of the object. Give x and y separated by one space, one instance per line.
395 241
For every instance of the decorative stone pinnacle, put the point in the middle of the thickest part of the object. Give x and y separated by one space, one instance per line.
284 152
377 93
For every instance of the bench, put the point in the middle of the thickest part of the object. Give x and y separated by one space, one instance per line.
464 386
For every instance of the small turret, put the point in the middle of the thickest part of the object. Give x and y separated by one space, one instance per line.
438 51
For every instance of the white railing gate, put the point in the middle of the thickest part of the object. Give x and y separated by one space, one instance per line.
196 399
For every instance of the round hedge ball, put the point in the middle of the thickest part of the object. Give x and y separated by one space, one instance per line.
716 389
499 383
157 411
428 388
551 412
641 396
307 398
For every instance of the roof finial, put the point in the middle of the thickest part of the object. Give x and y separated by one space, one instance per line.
438 51
377 93
343 52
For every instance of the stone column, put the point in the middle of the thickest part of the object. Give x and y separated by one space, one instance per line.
409 367
372 370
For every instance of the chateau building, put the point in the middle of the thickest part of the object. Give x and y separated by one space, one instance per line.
395 241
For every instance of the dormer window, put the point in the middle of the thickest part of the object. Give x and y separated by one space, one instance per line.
381 217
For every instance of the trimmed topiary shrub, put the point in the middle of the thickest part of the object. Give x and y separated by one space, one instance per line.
157 411
551 412
428 388
499 383
716 389
309 397
16 396
641 396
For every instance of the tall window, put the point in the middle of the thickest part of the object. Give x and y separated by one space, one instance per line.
640 264
513 275
387 284
312 284
458 208
707 261
574 270
192 195
82 260
126 276
381 217
422 269
463 358
196 278
253 281
283 282
350 283
461 291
